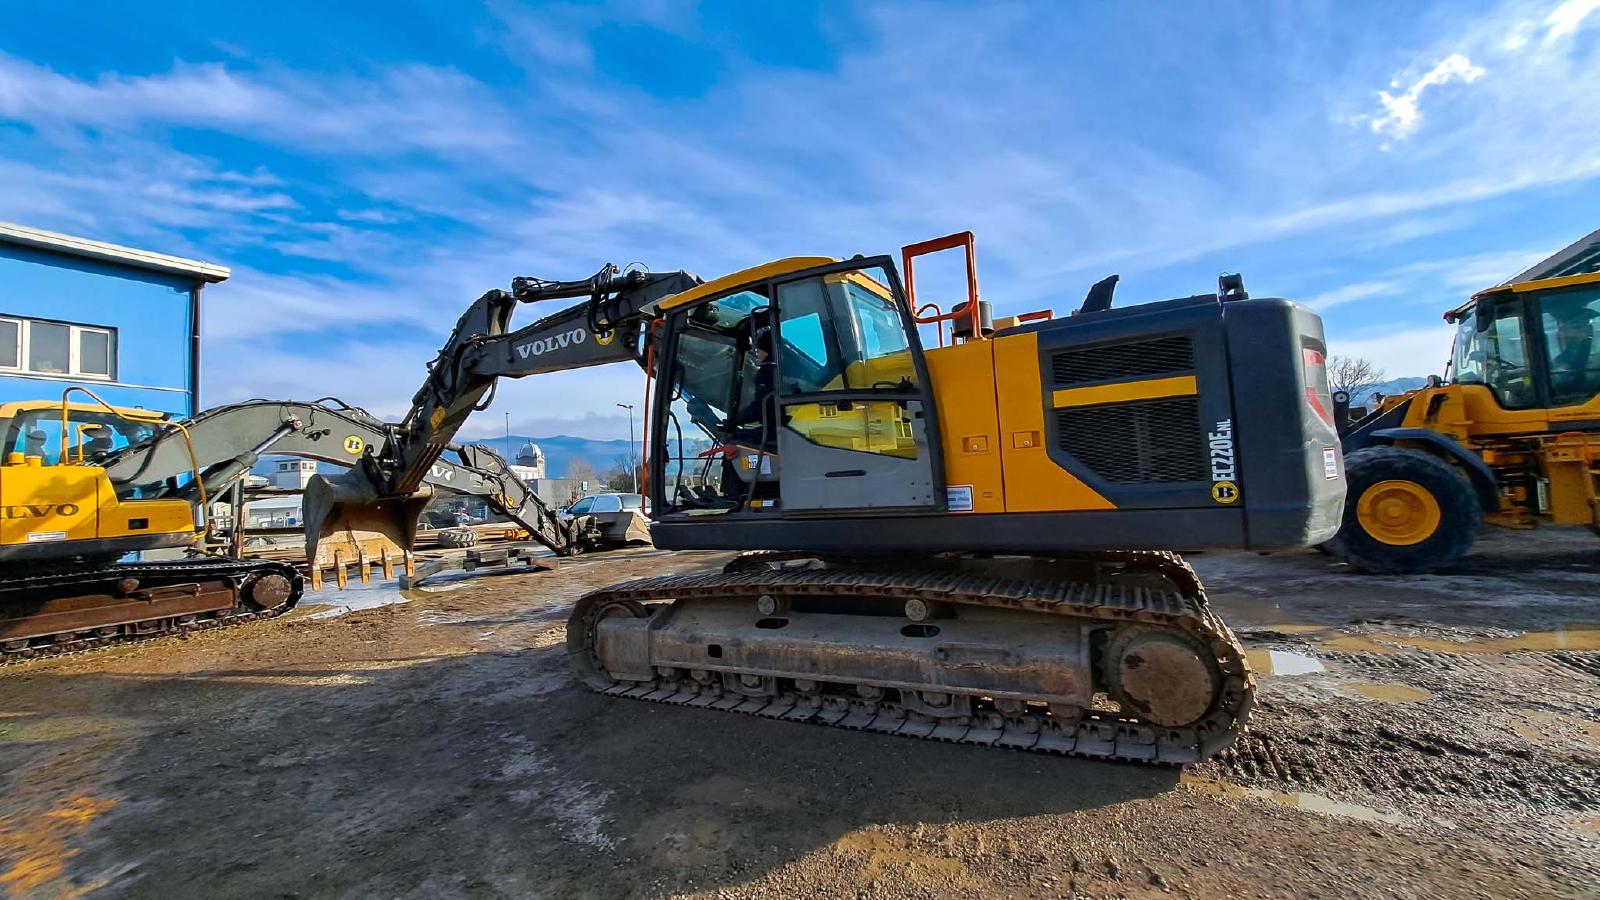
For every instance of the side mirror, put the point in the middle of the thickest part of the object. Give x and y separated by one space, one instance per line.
1482 316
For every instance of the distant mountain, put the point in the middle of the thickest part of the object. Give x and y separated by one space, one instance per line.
1388 389
559 452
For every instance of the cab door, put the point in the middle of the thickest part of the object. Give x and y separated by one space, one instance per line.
854 410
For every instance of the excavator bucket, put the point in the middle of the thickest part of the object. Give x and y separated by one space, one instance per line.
348 523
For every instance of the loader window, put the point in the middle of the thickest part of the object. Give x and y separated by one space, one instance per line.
1570 320
1496 357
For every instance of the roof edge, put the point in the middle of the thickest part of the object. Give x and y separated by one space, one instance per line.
85 248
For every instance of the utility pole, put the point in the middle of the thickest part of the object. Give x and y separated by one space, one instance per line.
633 465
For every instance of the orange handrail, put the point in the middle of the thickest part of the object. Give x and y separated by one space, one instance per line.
962 239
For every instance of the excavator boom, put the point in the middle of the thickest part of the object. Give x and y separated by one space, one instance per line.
371 512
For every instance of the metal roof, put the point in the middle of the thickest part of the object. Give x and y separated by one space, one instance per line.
1581 257
84 248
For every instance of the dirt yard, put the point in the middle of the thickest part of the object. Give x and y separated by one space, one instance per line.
1427 736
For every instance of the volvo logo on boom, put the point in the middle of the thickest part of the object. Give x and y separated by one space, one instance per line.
557 342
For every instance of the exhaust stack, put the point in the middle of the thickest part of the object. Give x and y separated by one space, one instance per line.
348 522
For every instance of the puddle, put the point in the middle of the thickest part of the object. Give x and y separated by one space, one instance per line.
1316 803
1543 727
1389 693
1283 662
334 602
1575 637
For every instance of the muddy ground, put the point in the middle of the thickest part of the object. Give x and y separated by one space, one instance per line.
1426 736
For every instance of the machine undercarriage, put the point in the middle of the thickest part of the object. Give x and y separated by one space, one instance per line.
1110 655
53 610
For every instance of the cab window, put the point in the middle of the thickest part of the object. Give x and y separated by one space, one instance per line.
843 332
1496 357
96 432
1569 320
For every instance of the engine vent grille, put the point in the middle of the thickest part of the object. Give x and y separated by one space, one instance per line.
1149 441
1157 357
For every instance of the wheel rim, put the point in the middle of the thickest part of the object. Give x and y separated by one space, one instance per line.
1398 513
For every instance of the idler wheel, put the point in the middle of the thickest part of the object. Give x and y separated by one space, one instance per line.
268 592
1163 677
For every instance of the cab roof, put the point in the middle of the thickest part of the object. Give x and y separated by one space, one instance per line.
743 277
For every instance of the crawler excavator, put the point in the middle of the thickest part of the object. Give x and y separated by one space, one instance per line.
83 484
967 542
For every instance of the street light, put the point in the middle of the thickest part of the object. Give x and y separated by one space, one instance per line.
633 468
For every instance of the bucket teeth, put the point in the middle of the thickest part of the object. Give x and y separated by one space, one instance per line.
349 524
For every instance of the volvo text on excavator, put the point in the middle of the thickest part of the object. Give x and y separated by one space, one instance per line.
969 541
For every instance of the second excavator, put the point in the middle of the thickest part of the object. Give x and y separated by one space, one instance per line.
968 542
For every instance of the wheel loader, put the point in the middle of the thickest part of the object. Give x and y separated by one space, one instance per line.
1512 440
966 542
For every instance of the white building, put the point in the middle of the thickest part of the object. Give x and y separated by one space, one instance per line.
293 474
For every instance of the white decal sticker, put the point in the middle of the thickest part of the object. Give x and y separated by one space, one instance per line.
1330 462
39 537
959 497
1224 473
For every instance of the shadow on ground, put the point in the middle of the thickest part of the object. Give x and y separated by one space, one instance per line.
487 773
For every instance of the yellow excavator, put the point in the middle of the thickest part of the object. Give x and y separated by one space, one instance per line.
965 542
84 485
1513 438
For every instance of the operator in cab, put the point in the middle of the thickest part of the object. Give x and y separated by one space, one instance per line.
1575 358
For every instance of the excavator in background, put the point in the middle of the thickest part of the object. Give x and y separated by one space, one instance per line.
83 484
1513 438
966 542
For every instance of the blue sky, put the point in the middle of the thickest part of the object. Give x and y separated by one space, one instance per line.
368 169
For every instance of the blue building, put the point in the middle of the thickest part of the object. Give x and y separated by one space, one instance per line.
124 323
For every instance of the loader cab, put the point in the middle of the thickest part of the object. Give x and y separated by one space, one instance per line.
1534 345
792 389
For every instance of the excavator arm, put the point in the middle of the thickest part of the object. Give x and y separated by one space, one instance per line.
228 441
372 510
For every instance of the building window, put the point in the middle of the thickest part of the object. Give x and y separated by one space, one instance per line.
37 347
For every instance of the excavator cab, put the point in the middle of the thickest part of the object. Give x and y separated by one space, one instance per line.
790 389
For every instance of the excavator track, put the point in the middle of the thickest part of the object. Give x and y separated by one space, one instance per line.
1115 626
132 602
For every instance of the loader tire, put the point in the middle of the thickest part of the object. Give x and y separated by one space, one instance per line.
458 538
1405 512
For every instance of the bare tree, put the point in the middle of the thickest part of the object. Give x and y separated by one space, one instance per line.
579 469
623 476
1352 373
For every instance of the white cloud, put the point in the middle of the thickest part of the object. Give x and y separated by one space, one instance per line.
1402 353
1567 18
558 172
1403 112
1349 293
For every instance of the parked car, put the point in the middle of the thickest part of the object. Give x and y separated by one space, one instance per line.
620 517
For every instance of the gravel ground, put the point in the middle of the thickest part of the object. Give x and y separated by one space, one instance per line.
1423 736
